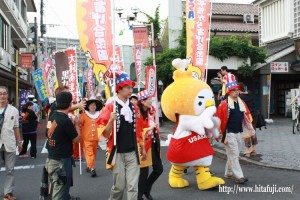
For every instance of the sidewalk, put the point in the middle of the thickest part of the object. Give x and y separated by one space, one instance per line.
277 146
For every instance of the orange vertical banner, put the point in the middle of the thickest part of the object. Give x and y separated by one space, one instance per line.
95 33
197 33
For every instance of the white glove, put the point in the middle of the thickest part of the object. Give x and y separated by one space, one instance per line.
197 124
214 132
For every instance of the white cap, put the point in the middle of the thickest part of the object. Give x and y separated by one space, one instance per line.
98 95
30 96
34 100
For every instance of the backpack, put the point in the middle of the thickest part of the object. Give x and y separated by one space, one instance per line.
260 121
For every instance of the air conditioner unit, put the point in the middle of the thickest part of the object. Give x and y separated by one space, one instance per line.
249 18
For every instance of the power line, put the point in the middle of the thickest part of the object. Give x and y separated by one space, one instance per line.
60 20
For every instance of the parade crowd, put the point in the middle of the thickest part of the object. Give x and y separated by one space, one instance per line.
128 125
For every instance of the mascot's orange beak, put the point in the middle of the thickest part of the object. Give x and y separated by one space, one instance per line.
209 103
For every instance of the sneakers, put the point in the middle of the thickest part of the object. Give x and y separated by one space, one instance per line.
9 196
229 177
241 180
23 156
93 172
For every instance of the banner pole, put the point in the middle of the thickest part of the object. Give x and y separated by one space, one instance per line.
208 42
154 65
114 67
80 159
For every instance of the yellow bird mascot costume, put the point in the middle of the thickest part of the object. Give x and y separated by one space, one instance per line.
190 103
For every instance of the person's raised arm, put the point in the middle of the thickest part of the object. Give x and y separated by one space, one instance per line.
81 105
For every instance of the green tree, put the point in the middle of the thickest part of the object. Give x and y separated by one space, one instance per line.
220 47
155 20
164 60
240 46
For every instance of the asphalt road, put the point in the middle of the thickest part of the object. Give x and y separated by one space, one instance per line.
29 172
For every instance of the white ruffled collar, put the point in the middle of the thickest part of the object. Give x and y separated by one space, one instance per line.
93 116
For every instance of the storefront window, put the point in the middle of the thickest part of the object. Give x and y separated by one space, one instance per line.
3 34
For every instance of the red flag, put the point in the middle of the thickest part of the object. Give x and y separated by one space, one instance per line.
26 61
72 78
138 62
140 36
119 60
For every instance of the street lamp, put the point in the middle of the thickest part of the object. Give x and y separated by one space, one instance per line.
128 18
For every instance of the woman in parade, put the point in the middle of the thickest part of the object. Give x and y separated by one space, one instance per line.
147 128
28 130
86 124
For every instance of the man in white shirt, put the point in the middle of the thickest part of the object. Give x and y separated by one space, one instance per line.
10 135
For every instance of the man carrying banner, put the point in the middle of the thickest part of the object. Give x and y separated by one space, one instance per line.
122 157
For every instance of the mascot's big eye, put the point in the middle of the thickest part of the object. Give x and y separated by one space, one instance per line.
200 103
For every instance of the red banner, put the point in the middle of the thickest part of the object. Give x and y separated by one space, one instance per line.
72 77
119 59
138 62
151 80
140 36
197 23
99 30
26 61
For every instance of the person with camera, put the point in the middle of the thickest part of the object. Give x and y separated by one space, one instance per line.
9 136
61 134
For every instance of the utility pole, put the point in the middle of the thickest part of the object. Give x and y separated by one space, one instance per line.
17 78
35 43
42 26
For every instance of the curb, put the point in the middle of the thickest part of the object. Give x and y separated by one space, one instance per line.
222 154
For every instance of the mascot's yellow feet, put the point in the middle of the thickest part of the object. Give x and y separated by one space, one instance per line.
204 179
175 177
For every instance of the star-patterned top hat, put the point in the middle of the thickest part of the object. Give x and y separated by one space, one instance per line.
231 83
122 79
143 95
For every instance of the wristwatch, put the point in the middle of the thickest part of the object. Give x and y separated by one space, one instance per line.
20 142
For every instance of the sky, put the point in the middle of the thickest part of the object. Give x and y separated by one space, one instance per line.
61 20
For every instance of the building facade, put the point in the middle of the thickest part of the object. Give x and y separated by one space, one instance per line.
13 33
279 32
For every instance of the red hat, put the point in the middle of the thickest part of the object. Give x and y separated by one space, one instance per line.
143 95
122 79
231 83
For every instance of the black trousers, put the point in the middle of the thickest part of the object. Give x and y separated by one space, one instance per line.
32 139
145 182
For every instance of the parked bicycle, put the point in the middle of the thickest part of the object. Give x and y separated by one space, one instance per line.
296 123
